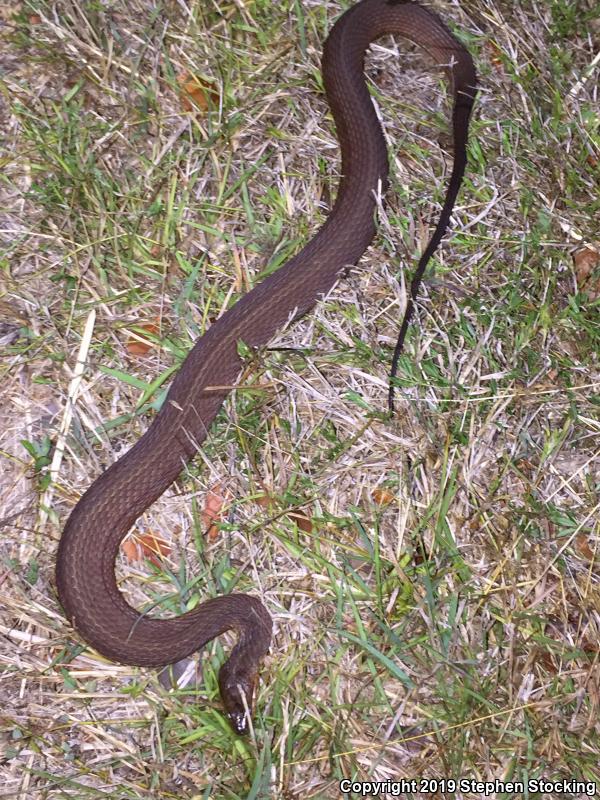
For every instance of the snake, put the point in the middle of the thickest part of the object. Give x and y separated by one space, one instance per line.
89 544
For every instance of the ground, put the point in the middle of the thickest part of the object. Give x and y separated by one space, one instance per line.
433 575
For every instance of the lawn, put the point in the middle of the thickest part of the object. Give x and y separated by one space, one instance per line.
433 576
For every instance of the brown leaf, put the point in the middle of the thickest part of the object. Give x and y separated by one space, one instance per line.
544 658
587 272
495 55
139 345
302 520
215 499
196 92
382 496
264 500
140 546
582 546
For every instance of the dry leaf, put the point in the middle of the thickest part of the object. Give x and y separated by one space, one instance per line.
382 497
196 92
302 520
140 546
139 345
587 261
495 55
211 513
547 661
582 546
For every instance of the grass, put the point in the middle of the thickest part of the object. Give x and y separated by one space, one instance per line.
438 617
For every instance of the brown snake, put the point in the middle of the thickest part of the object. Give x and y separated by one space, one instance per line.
85 571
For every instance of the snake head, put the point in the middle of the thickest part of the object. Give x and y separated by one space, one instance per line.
235 687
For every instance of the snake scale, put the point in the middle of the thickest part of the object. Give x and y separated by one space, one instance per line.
85 571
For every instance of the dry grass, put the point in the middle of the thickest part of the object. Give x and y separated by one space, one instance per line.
442 616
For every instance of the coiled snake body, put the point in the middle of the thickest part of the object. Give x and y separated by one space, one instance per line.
88 547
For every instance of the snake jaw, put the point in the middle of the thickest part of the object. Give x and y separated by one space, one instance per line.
237 693
239 722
